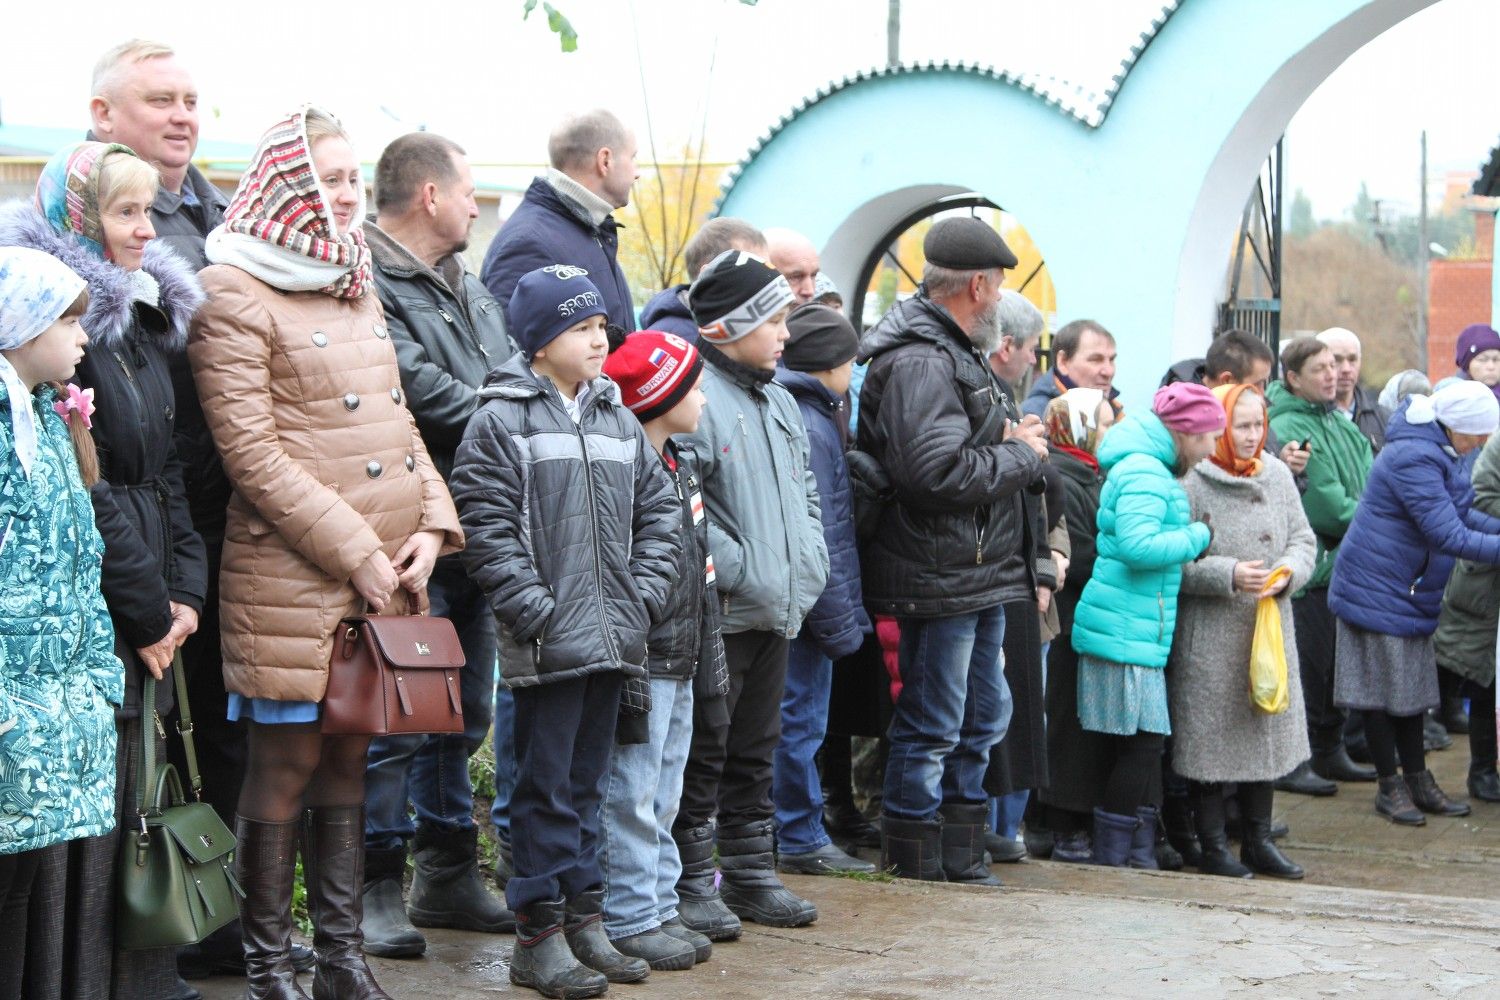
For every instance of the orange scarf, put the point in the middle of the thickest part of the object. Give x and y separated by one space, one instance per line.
1224 455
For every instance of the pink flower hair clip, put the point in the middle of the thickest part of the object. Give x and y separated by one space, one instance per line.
79 401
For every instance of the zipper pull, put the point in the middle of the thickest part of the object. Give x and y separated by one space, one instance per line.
444 313
160 729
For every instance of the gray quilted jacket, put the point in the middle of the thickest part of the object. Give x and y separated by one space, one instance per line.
571 528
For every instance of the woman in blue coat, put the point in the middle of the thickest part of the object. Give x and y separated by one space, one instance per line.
1414 519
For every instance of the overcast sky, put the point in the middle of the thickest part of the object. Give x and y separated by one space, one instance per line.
472 69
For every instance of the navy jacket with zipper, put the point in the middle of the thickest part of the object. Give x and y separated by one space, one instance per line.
570 528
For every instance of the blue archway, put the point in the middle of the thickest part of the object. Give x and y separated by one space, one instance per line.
1134 199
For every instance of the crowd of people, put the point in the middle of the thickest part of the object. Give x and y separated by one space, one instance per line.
692 559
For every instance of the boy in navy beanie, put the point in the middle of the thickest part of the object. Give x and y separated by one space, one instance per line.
766 538
571 529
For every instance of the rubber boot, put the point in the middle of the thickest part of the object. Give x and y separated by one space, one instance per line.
388 931
333 862
751 889
699 906
504 868
1257 850
266 863
1208 817
1177 818
447 890
541 959
583 923
1393 801
1143 842
1113 835
703 948
1429 798
962 839
911 848
661 951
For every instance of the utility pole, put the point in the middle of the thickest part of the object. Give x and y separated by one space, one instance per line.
1422 252
893 34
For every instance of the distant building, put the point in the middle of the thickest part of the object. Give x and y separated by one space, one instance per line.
1461 290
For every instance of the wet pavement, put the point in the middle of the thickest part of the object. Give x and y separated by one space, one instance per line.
1385 911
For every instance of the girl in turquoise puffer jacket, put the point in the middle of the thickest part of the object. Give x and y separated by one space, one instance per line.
1122 630
58 671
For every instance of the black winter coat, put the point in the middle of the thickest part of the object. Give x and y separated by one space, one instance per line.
152 555
446 345
1082 485
570 528
954 540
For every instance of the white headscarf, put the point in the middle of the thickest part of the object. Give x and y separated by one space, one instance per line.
1466 407
35 289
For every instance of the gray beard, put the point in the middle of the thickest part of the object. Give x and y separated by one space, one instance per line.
987 334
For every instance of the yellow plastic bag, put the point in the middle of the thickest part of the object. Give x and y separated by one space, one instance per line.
1268 683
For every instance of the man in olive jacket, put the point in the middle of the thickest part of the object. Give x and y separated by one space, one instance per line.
950 549
448 334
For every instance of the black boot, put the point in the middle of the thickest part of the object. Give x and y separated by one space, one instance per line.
699 905
1005 850
541 959
962 839
447 890
1337 765
1257 849
847 825
583 919
388 932
222 953
1453 715
1434 736
1428 797
504 868
703 949
1113 835
1393 801
333 862
1177 817
1037 838
1303 781
751 889
1484 783
661 951
1208 817
266 858
912 848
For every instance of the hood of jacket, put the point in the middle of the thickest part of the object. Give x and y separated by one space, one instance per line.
803 386
113 291
1138 434
667 304
1432 433
915 319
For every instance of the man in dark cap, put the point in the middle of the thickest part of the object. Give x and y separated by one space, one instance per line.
949 551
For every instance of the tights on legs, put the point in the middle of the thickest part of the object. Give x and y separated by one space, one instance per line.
1135 779
1392 737
293 765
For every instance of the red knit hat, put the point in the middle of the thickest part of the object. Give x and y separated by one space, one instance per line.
654 371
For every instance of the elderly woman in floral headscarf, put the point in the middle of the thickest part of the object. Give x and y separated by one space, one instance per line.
92 211
336 508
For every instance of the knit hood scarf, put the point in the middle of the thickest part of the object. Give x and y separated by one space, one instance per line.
279 228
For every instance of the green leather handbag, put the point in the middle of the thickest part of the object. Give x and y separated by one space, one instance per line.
175 882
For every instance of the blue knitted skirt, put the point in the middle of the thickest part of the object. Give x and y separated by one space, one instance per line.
1121 699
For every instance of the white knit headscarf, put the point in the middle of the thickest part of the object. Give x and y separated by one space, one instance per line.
1466 407
35 289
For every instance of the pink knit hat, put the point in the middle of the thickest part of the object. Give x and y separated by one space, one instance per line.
1188 408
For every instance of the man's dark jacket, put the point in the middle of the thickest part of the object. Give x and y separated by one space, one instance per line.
668 313
953 540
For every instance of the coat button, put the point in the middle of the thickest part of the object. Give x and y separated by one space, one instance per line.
351 401
320 339
411 464
395 395
379 331
373 469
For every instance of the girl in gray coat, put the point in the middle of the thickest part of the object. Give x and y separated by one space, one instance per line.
1251 502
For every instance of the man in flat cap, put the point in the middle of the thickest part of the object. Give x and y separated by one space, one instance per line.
949 551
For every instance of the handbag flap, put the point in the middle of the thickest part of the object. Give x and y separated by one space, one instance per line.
197 829
413 641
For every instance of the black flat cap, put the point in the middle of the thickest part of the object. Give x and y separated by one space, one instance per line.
966 244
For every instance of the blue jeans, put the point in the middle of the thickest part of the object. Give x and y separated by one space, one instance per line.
795 786
636 849
432 771
954 707
505 759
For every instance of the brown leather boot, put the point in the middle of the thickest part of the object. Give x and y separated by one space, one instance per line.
266 859
333 862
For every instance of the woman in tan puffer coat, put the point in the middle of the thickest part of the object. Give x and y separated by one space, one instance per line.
336 507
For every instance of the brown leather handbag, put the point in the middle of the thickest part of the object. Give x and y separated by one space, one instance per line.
392 674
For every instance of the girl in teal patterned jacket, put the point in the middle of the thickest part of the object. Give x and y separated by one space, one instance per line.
58 673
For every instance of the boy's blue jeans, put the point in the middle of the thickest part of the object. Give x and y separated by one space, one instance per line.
795 785
636 850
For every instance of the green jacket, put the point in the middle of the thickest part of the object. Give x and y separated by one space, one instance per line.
1465 638
1336 472
1128 610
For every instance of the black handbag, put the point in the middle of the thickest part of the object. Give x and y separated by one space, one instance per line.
174 879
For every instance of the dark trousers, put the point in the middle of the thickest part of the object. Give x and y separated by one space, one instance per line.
565 731
17 873
729 767
1315 643
1482 742
1135 778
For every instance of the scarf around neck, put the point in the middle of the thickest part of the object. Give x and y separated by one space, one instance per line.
279 228
1224 455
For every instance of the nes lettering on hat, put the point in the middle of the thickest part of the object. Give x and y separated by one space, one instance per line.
736 293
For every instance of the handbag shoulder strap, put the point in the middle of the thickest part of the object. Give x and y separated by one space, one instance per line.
147 778
185 726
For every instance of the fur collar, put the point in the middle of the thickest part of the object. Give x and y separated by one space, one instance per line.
113 291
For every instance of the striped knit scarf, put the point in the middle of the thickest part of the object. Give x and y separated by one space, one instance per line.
280 203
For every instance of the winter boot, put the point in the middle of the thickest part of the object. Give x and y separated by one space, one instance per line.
1208 818
1076 848
661 951
266 859
962 839
541 959
703 949
1429 798
387 930
1484 783
846 824
583 920
505 869
912 848
1004 850
699 905
1037 838
1143 842
447 890
1393 801
1257 849
333 862
751 889
1177 818
1113 836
